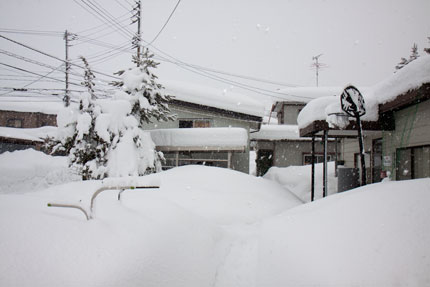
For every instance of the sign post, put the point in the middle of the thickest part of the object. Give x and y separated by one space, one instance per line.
352 103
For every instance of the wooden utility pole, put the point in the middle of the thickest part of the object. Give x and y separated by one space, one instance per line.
137 39
66 98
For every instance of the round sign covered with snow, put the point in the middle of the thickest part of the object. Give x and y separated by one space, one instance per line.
352 102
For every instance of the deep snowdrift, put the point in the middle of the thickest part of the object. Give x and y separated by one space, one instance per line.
30 170
297 179
172 236
377 235
209 227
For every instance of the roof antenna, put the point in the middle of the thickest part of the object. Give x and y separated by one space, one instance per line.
317 65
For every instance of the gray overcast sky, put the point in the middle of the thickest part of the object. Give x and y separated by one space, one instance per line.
361 41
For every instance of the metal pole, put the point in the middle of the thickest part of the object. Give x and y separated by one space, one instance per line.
325 164
361 146
313 169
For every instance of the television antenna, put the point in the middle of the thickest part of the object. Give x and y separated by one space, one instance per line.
317 66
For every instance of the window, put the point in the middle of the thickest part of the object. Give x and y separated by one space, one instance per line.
307 158
194 123
14 123
413 162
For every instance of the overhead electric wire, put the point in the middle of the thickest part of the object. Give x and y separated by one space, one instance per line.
86 36
165 24
54 57
103 18
258 90
35 81
32 32
10 54
108 14
102 25
120 4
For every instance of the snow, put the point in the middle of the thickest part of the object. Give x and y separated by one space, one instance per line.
209 226
30 170
33 134
278 132
297 179
16 104
212 97
326 108
134 79
412 76
206 137
376 235
126 159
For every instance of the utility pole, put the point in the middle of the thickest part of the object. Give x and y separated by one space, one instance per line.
137 39
66 98
317 65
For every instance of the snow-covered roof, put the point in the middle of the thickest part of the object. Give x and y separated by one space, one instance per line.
12 104
307 94
410 77
278 132
212 97
36 134
201 138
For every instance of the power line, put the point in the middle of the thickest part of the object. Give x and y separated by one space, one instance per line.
10 54
54 57
35 81
165 24
31 32
220 79
102 25
99 14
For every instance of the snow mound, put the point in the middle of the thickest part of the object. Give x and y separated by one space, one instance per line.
30 170
171 236
376 235
297 179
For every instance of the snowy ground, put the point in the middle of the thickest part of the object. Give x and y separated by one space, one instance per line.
297 179
208 227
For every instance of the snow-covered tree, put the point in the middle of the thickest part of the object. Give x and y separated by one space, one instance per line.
148 101
106 137
78 137
414 55
143 101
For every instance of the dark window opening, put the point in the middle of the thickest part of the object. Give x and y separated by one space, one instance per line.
198 123
185 124
14 123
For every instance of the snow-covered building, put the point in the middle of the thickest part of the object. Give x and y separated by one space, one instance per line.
25 124
281 145
396 124
212 127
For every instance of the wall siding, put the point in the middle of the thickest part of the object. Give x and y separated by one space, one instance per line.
412 129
